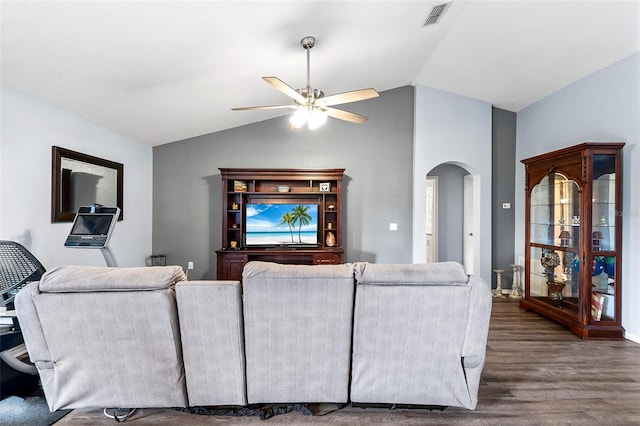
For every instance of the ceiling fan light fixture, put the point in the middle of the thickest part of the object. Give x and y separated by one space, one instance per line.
317 118
299 117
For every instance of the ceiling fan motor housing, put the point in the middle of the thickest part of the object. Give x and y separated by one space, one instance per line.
308 42
312 94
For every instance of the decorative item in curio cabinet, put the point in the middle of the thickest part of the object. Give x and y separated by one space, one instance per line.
331 239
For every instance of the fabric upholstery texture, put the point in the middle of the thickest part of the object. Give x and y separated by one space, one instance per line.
100 348
64 279
415 274
297 321
411 339
210 315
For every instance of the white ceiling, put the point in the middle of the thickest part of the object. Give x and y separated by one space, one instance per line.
161 71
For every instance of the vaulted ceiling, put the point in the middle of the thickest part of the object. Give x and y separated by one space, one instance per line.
161 71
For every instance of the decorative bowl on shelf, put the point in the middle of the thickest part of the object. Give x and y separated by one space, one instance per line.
282 188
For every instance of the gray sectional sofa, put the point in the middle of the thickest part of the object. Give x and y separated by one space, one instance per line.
362 333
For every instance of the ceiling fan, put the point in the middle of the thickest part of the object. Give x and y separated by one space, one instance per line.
310 105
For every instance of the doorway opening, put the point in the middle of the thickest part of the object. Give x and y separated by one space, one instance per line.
431 226
452 201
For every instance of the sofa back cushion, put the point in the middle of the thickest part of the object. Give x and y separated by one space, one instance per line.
297 322
66 279
442 273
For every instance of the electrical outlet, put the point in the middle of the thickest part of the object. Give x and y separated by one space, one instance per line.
189 265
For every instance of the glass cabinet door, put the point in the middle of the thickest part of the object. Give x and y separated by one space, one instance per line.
554 242
603 238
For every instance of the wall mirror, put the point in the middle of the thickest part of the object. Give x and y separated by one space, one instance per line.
80 180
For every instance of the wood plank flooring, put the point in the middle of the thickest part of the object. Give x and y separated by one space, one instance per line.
536 373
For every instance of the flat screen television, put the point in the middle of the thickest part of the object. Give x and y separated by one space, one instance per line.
281 224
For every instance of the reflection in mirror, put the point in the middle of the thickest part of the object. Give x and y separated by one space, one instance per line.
81 180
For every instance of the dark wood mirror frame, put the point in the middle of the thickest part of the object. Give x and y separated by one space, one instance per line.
58 154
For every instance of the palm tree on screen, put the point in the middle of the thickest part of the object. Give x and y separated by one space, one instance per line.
302 217
290 220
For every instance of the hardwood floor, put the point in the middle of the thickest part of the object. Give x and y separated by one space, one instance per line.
536 373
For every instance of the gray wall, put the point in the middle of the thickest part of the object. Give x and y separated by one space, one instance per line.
603 106
503 152
377 156
454 129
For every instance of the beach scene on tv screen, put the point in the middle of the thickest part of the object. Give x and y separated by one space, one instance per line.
278 224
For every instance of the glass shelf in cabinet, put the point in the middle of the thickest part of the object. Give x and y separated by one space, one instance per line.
553 224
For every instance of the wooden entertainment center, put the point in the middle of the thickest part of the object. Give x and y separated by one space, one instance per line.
316 191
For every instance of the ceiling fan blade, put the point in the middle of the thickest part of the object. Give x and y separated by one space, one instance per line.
345 115
346 97
286 89
264 107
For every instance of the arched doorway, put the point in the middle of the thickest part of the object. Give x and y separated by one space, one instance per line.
452 216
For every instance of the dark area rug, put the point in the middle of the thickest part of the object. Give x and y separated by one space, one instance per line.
265 411
30 410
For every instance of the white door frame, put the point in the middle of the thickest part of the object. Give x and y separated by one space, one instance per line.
431 204
471 224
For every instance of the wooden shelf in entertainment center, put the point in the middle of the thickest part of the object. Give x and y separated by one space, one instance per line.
309 187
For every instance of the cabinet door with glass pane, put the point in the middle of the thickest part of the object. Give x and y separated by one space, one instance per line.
604 230
572 238
555 243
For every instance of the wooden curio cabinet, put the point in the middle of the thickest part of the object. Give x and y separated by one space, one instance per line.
573 230
250 233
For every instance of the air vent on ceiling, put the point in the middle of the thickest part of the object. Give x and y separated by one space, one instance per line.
436 13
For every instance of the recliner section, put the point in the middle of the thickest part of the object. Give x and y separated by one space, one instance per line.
105 337
297 321
420 335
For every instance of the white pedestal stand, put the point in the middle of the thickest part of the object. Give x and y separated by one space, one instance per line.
516 292
498 292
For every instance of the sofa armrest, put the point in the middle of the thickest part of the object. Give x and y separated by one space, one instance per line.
479 316
30 324
475 344
35 340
